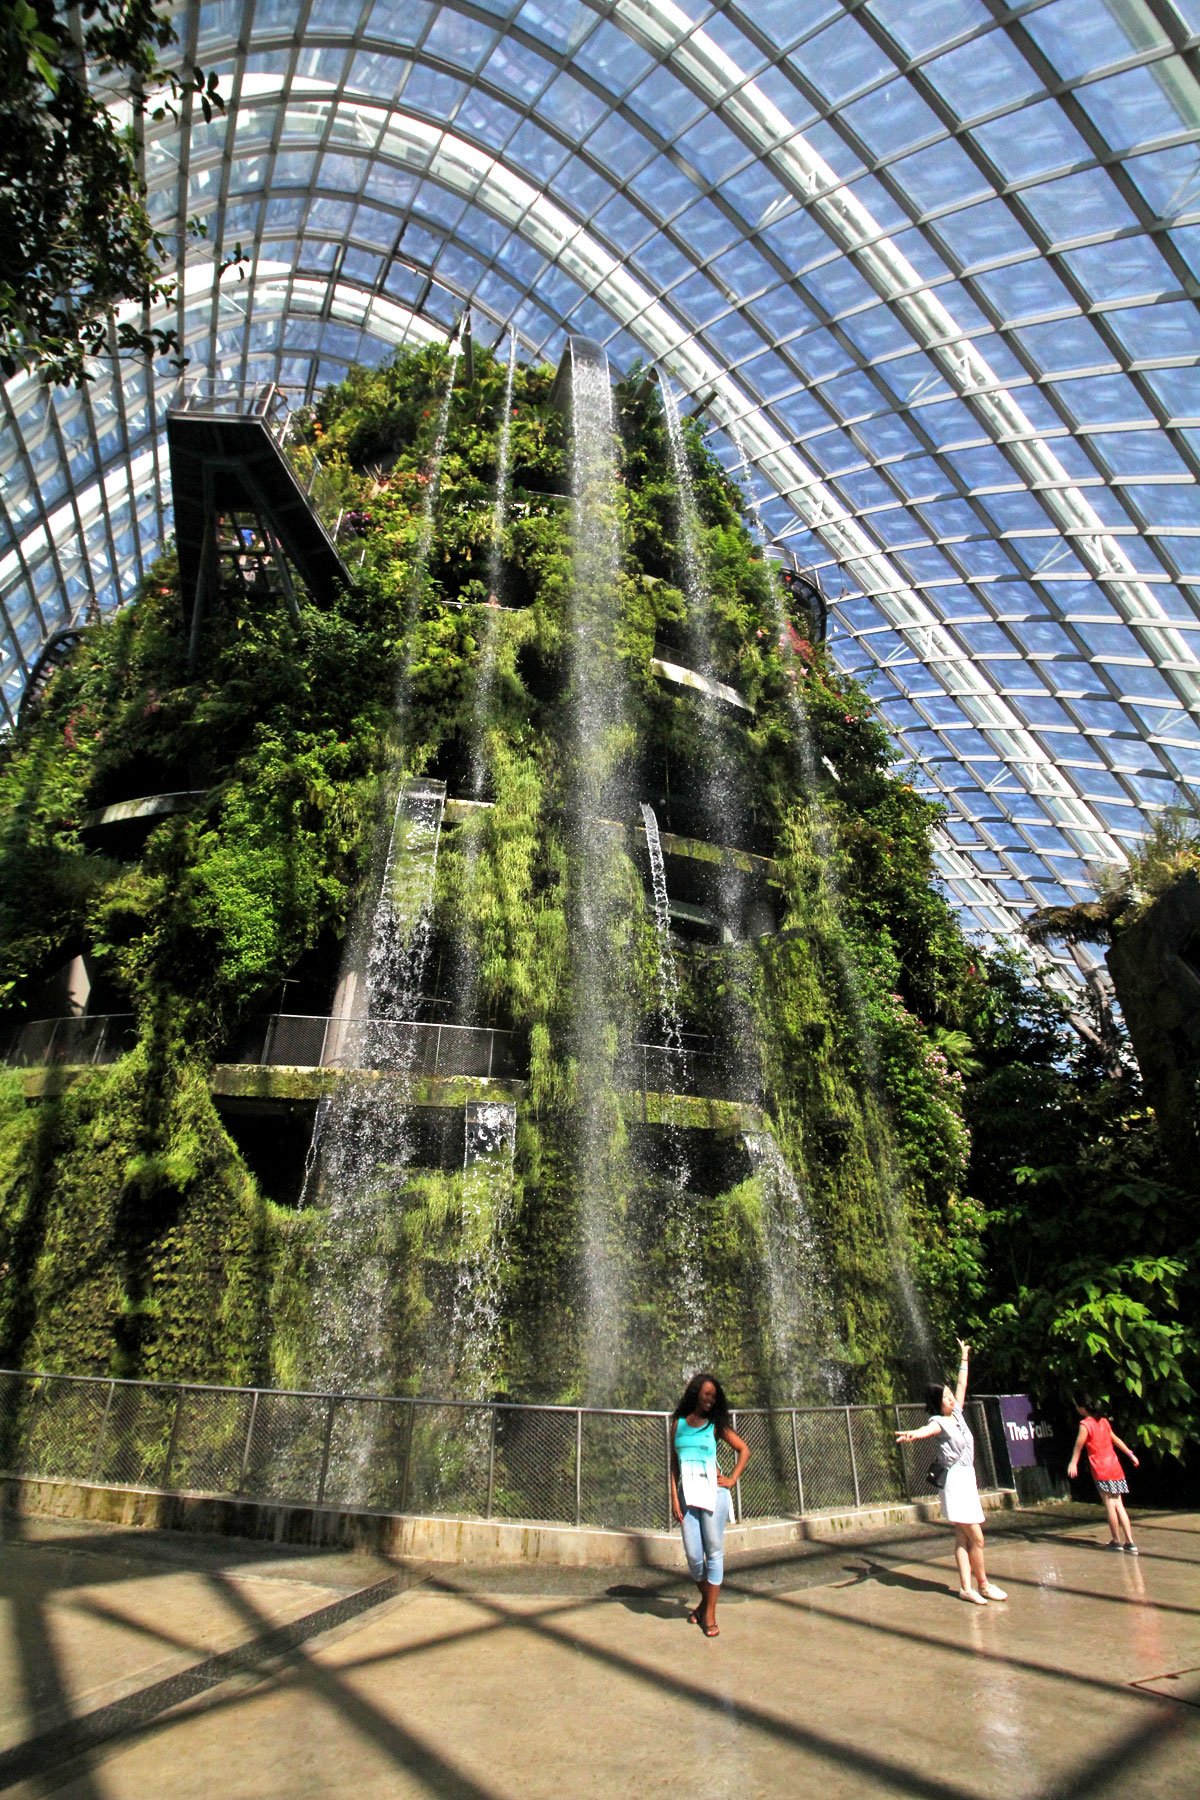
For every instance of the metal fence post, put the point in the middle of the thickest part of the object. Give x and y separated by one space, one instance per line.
407 1463
579 1465
903 1466
245 1469
174 1438
491 1486
667 1422
326 1442
95 1468
796 1454
853 1458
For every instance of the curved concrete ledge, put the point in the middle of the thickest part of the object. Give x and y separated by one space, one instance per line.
691 678
276 1082
152 806
284 1081
439 1540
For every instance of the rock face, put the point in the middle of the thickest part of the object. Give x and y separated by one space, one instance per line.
1155 966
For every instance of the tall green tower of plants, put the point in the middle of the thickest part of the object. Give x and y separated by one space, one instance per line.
528 986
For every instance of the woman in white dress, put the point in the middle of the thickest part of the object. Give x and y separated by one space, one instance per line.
961 1506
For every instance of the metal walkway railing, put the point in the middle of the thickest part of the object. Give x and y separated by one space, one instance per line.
567 1465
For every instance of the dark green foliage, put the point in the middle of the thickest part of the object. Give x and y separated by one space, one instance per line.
73 222
1091 1282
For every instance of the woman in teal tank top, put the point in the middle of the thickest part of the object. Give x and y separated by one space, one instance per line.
699 1492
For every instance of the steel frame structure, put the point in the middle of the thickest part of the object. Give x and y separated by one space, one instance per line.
930 265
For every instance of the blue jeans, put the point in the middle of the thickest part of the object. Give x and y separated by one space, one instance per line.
704 1539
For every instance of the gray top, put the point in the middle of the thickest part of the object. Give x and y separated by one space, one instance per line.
955 1441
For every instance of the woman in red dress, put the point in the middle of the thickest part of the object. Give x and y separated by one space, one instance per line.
1097 1437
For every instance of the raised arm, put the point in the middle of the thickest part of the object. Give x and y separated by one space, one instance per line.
1080 1441
743 1457
960 1386
933 1429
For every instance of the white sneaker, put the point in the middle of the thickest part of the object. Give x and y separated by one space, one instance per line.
975 1598
1132 1550
992 1592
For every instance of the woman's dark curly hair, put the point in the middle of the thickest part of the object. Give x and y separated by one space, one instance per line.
690 1398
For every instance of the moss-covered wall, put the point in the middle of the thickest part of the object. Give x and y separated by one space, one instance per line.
134 1235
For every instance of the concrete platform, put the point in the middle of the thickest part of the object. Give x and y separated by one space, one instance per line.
445 1539
138 1664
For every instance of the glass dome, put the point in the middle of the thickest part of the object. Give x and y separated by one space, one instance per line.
929 275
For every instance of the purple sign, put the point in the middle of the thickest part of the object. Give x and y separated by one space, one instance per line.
1028 1433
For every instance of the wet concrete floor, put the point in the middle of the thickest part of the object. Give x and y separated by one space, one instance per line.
176 1668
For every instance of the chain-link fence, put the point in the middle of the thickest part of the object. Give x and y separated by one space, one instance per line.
557 1464
94 1038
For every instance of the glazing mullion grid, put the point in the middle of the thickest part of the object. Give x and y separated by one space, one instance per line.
47 420
1054 612
931 94
1010 194
868 369
118 568
878 168
26 655
293 42
1157 231
319 145
526 110
736 225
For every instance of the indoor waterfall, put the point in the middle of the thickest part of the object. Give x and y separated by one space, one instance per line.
599 730
366 1140
919 1342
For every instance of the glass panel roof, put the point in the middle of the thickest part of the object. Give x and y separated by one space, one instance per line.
932 272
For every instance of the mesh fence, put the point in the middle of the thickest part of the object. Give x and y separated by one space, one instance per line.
769 1488
825 1464
210 1440
916 1459
61 1422
296 1041
287 1448
533 1474
133 1448
368 1451
623 1480
560 1465
448 1459
872 1434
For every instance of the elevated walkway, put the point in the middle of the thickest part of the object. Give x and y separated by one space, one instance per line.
232 458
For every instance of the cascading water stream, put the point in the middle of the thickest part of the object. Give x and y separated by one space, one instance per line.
487 1198
833 906
788 1245
598 717
486 677
683 1275
801 1327
721 791
466 971
365 1143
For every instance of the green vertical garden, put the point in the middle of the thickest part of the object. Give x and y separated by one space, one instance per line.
145 1227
